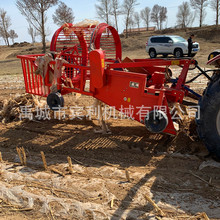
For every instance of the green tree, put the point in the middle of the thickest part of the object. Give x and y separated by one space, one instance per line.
12 35
128 9
184 15
35 13
145 16
104 10
63 14
200 5
215 5
5 23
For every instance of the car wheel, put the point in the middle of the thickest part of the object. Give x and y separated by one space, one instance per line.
152 53
178 53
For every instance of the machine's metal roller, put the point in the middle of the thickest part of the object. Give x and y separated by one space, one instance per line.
156 121
55 101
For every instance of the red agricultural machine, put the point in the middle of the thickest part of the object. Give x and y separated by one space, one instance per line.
87 59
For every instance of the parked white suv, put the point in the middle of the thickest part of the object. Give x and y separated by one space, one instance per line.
169 44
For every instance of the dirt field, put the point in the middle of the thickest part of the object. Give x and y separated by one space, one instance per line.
113 174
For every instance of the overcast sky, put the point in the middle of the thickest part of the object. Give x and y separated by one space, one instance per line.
85 9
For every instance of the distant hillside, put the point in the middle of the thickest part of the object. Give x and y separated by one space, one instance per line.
210 33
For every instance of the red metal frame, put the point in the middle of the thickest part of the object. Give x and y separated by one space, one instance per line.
136 85
101 36
98 37
117 91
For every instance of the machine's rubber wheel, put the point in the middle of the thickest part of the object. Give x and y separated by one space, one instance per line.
208 122
213 54
156 121
55 101
178 53
152 53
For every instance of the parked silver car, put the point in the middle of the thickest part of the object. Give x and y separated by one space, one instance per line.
169 44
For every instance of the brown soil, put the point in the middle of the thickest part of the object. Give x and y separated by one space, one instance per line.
173 171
